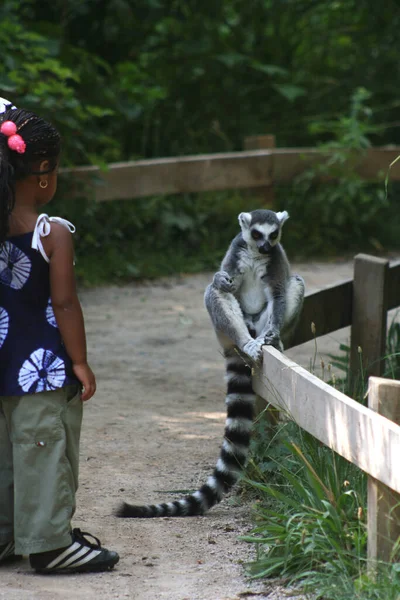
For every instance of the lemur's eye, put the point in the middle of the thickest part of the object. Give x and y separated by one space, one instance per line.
256 235
273 235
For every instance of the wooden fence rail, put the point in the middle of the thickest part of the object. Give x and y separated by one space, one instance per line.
361 435
230 171
368 437
331 308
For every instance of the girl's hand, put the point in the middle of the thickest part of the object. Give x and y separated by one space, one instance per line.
85 375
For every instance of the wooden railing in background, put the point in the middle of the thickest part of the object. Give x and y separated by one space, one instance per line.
251 169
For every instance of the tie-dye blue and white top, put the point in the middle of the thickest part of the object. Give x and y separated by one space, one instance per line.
32 355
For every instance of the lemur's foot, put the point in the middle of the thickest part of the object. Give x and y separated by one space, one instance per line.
253 349
223 281
272 338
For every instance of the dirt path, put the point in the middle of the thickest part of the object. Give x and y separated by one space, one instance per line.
155 425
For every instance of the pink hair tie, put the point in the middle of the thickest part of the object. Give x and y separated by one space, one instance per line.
15 141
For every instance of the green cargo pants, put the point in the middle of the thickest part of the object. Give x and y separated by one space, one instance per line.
39 457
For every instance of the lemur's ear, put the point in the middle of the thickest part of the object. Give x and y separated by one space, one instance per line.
282 216
244 220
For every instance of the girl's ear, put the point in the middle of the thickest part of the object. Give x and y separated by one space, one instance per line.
44 166
282 216
244 220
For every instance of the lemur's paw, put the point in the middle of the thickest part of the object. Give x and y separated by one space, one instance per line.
272 338
253 349
223 282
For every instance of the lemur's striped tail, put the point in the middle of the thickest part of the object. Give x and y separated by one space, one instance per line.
240 401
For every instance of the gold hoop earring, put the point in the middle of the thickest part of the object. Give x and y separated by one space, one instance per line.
43 184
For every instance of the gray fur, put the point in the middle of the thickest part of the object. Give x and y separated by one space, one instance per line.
254 300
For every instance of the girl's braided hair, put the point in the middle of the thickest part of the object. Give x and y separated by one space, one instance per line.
42 143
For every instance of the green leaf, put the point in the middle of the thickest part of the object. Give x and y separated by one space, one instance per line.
289 91
268 69
231 59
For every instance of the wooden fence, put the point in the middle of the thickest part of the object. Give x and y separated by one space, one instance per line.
368 437
256 169
362 302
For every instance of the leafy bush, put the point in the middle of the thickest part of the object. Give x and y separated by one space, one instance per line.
333 208
184 77
36 74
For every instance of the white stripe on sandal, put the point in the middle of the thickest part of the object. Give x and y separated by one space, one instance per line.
7 551
71 554
67 552
86 558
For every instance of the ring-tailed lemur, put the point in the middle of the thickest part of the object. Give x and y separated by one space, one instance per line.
252 301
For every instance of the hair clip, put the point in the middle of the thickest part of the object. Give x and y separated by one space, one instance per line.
15 141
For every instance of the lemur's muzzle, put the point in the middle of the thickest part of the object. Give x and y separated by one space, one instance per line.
264 248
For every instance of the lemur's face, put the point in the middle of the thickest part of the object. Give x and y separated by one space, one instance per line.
262 229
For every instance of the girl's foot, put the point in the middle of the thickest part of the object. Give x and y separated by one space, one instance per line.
79 557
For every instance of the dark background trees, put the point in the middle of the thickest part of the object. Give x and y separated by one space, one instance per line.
124 79
167 77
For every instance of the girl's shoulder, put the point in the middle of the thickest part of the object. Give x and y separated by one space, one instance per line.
51 232
44 224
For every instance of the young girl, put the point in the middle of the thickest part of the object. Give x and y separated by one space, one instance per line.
43 364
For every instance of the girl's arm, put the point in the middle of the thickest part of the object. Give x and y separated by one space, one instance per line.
66 306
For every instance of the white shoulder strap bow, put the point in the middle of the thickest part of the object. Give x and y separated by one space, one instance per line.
43 228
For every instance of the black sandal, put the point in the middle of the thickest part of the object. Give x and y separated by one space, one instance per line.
82 556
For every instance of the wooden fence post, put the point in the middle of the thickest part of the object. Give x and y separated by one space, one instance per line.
383 503
369 316
262 142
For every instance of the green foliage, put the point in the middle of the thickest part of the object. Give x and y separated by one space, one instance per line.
184 77
310 520
316 517
33 74
124 79
207 74
331 202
